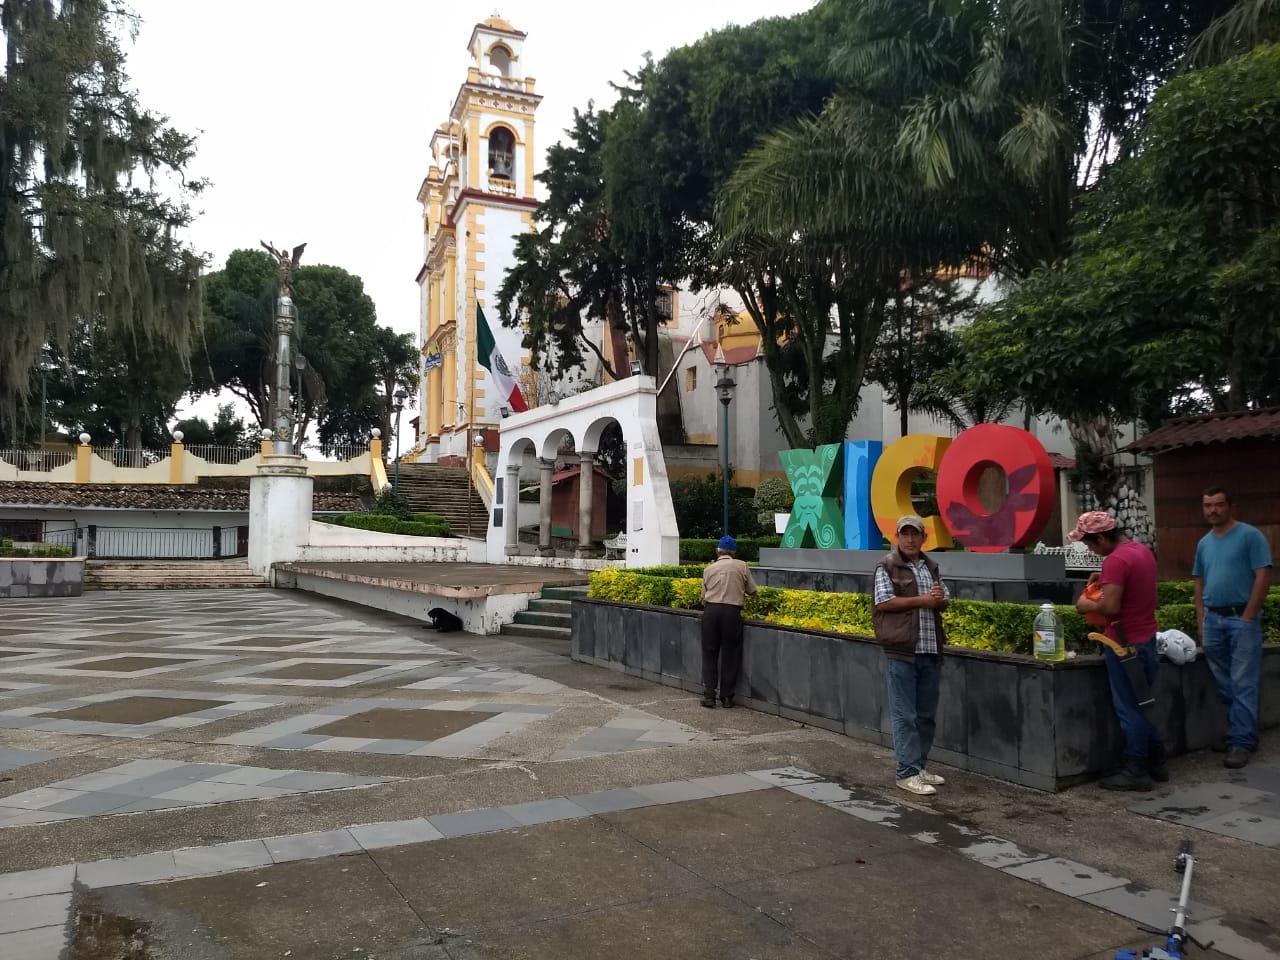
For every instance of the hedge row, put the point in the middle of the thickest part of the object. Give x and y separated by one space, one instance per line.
977 624
704 551
416 525
7 549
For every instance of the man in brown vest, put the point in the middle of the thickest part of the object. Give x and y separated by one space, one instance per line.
907 603
725 585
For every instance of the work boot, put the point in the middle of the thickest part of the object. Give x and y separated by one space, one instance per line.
1236 759
1132 776
1223 745
1158 763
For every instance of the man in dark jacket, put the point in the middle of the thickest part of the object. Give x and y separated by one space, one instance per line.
908 600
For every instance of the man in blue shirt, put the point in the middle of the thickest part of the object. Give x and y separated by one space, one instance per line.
1232 574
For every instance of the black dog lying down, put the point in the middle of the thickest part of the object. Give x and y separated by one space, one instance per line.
444 621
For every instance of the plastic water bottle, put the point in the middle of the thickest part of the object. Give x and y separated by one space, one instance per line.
1049 643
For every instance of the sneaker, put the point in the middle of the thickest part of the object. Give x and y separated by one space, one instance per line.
1236 759
726 702
914 784
933 779
709 702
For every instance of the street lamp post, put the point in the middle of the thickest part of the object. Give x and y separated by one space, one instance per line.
724 389
400 396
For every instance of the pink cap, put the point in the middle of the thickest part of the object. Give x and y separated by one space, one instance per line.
1095 521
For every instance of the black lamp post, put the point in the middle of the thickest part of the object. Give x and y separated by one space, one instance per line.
724 389
400 396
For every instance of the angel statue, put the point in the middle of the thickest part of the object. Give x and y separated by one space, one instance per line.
286 267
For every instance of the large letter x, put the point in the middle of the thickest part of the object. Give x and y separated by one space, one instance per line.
815 477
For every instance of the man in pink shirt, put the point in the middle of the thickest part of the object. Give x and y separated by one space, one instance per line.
1128 604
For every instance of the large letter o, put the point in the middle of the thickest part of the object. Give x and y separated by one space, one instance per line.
1028 503
900 463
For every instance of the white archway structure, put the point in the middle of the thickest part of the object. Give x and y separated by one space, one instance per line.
534 437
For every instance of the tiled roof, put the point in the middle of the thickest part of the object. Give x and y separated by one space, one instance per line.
1213 428
151 496
1060 462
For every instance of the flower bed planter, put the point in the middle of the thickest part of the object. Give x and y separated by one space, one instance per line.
41 577
1047 726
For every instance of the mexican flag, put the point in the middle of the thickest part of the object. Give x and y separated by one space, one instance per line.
490 358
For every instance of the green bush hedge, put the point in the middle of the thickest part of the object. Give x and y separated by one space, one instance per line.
1175 591
704 551
976 624
416 525
46 551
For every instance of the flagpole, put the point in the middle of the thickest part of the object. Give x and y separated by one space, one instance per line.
471 407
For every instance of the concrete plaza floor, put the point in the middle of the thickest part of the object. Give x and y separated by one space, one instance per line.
263 774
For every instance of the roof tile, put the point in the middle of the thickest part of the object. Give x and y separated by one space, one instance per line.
1212 428
151 496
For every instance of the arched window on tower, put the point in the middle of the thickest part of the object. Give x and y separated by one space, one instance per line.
500 60
502 154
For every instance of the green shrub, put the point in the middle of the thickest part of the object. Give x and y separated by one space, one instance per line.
624 586
386 523
389 502
1174 591
772 496
686 593
1178 616
699 506
704 551
426 518
687 570
39 550
974 624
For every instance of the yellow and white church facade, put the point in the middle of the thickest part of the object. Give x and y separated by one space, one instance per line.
477 197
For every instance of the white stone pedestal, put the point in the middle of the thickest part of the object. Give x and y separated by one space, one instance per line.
279 512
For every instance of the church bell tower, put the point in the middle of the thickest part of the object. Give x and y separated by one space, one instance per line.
477 197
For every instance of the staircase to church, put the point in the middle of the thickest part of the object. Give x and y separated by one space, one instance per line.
431 488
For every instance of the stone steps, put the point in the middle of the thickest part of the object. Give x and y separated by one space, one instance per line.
429 488
547 618
169 575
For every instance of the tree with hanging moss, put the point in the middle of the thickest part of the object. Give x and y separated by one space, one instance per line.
93 195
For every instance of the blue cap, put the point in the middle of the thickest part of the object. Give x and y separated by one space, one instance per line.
728 544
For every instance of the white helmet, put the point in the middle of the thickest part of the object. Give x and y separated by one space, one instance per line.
1176 645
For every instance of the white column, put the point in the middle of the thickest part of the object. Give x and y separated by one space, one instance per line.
586 473
511 510
545 468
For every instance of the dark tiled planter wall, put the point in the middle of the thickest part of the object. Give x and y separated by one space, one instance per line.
1043 725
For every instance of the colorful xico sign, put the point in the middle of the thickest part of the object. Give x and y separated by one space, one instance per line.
876 484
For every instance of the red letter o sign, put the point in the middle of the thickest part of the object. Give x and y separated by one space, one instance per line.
1028 504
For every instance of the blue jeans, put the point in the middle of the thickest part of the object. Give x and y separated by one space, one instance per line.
913 706
1139 732
1233 648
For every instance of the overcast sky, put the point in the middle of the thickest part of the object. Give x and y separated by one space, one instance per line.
315 115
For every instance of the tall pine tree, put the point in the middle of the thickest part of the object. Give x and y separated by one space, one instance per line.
93 196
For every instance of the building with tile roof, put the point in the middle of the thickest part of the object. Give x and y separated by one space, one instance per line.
1238 450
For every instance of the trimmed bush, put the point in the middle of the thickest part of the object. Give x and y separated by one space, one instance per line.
1175 591
704 551
687 570
975 624
772 496
36 551
437 526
